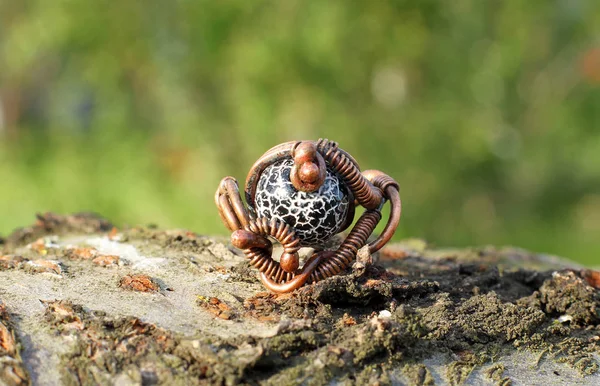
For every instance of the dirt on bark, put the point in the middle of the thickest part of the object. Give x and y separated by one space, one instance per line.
87 304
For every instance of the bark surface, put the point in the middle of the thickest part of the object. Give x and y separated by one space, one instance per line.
82 303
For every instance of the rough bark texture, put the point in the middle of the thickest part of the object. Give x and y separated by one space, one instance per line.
82 303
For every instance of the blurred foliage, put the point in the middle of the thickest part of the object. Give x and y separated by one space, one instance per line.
486 112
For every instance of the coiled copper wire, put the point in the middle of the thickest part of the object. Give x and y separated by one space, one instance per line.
364 192
260 257
347 251
325 264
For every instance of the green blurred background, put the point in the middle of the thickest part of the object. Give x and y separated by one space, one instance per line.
486 112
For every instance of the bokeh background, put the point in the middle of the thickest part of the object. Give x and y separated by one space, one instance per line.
486 112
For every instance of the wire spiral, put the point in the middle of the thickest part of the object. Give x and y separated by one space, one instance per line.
364 192
347 251
260 257
338 261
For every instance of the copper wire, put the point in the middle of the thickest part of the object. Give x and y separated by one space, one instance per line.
345 254
260 258
364 192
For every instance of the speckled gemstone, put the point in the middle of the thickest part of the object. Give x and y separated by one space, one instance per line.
315 216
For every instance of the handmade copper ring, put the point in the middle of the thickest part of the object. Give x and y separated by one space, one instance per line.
302 194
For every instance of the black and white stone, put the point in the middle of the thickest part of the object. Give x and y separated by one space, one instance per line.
315 216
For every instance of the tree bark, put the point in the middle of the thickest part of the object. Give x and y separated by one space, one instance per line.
82 303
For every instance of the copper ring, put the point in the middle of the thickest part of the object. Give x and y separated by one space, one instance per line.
311 162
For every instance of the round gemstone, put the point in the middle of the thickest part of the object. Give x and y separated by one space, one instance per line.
315 216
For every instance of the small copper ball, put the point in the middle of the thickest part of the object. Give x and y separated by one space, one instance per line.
309 172
289 262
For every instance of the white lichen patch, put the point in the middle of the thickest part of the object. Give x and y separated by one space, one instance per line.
565 318
126 252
